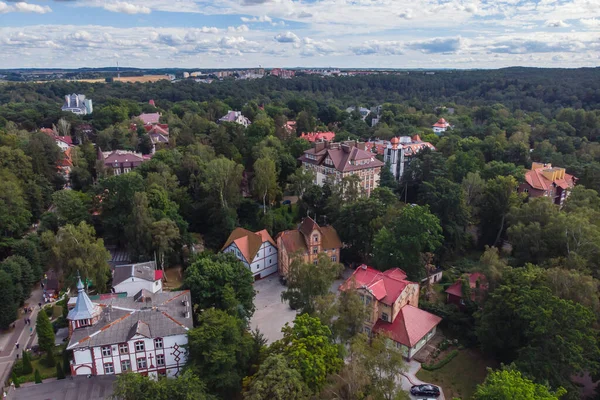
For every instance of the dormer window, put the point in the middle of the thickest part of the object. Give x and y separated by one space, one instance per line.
316 238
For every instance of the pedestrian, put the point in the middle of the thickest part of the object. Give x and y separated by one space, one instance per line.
17 356
30 331
40 304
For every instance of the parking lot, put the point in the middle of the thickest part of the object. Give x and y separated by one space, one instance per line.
271 313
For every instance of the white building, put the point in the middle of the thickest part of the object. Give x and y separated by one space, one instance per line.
235 116
146 334
364 112
77 104
257 250
441 126
132 278
400 150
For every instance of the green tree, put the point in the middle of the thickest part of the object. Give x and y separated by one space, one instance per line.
220 351
307 281
548 338
14 210
27 367
71 206
498 198
14 379
265 181
344 314
412 232
8 304
509 384
164 236
276 380
308 347
76 249
300 181
137 231
45 332
223 177
187 386
60 374
357 225
214 278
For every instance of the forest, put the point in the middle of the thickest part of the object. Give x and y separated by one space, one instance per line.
456 207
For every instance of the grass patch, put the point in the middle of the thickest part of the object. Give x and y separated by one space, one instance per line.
461 375
174 278
56 311
39 364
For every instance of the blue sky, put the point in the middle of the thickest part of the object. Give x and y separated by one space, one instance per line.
289 33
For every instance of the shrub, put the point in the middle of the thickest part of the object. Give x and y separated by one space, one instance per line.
15 380
38 377
59 372
433 367
49 360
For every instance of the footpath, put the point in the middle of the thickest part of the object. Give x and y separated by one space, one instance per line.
19 334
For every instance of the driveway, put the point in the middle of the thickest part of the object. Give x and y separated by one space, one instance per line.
78 388
409 379
271 313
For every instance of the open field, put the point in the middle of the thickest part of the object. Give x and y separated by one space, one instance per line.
460 377
145 78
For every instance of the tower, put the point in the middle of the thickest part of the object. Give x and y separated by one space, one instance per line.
85 313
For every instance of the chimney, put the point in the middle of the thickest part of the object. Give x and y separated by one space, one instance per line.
320 146
345 147
361 145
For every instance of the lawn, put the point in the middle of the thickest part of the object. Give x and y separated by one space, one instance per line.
460 377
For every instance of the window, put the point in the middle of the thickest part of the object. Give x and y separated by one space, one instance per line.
384 317
334 258
141 363
315 250
125 365
108 368
368 331
158 343
316 238
462 302
315 262
160 360
139 346
126 170
123 348
270 261
156 283
368 299
106 351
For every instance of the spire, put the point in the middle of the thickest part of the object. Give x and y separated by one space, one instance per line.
84 308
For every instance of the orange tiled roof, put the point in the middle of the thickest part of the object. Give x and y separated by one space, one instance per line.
410 326
248 242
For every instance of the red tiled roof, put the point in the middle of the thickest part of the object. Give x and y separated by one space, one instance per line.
248 242
456 288
410 326
151 118
48 131
314 136
158 275
67 160
536 179
442 123
66 139
385 286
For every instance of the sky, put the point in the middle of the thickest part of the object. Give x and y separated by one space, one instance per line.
299 33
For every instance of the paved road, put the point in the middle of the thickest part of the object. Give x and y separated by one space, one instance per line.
409 379
20 334
78 388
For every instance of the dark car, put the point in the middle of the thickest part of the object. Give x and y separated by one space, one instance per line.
425 390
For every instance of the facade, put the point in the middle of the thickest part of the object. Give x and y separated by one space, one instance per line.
477 283
77 104
307 242
146 333
257 250
334 161
393 305
441 126
545 180
235 116
318 136
131 278
121 161
283 73
364 112
399 152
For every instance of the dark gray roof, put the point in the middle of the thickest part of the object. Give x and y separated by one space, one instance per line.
166 314
145 270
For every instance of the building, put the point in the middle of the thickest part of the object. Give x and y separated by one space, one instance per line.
65 165
477 283
307 242
334 161
318 136
441 126
77 104
146 333
131 278
283 73
392 302
257 250
548 181
399 152
119 162
290 128
149 118
235 116
364 112
64 142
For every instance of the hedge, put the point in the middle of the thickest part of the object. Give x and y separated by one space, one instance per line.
433 367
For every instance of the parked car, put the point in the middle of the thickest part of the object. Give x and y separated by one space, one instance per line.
425 390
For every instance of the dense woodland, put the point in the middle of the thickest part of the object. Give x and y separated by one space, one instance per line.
539 317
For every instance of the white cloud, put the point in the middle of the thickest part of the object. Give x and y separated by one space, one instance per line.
126 8
238 29
287 37
24 8
437 45
263 18
590 22
556 24
378 47
406 14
